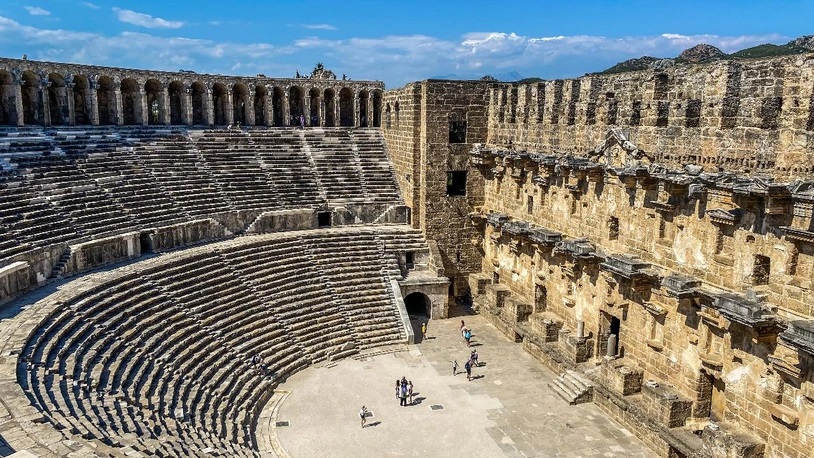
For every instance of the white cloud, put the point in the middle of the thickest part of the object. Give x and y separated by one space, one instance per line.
145 20
90 5
37 11
318 26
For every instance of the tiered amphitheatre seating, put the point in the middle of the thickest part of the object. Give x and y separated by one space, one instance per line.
28 221
282 156
377 173
156 356
235 167
177 168
73 140
336 164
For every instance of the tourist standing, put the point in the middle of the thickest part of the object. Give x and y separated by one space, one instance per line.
410 392
423 331
363 415
403 395
474 358
468 367
467 336
302 122
398 389
454 367
463 328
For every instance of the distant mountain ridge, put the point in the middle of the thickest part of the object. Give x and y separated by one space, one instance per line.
704 53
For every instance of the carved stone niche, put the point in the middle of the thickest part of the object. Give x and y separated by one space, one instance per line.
725 217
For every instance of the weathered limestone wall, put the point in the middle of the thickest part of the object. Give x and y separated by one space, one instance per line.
99 252
401 128
747 117
180 235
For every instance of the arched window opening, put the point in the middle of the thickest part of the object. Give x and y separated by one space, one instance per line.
152 91
106 101
198 103
240 103
377 109
129 88
176 93
313 108
330 108
346 107
296 103
81 101
364 97
7 114
57 100
277 107
30 93
219 102
260 96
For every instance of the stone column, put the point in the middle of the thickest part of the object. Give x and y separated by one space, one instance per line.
269 106
369 109
322 111
164 104
43 105
356 113
250 107
337 110
210 106
69 109
186 106
145 110
286 109
229 112
93 99
306 109
118 117
17 86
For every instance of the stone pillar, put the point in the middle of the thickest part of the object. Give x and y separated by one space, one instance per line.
229 112
337 110
356 111
17 87
93 99
145 110
164 104
186 106
269 106
117 117
43 106
369 109
210 106
322 111
286 109
250 107
306 109
69 108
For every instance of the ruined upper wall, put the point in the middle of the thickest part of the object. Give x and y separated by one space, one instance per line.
746 117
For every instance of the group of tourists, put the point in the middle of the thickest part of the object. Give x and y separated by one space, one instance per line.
404 391
260 367
470 363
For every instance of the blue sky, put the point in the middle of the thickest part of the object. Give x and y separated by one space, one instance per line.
396 42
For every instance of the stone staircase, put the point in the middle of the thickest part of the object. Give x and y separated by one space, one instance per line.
573 388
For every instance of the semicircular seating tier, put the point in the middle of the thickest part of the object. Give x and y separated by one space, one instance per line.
64 185
156 357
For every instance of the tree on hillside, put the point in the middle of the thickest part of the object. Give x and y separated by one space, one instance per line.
488 78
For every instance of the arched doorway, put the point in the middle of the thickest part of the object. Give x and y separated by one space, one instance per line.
313 95
277 107
57 100
377 109
240 103
130 102
176 93
260 97
296 102
346 107
363 114
106 101
7 115
198 103
418 307
219 100
31 97
152 89
81 101
330 108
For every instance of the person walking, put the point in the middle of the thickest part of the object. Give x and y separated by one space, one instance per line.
410 392
468 367
463 328
474 358
467 336
398 389
302 122
363 415
424 331
454 367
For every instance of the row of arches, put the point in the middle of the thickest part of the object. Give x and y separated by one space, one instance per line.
54 100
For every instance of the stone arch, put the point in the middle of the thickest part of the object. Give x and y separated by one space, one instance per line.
418 304
106 100
198 103
313 109
30 98
130 101
240 103
8 115
346 107
220 100
330 108
377 109
81 100
296 104
176 93
260 100
277 98
57 100
152 91
364 115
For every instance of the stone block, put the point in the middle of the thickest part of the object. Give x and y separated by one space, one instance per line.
666 405
725 441
622 379
579 349
545 326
